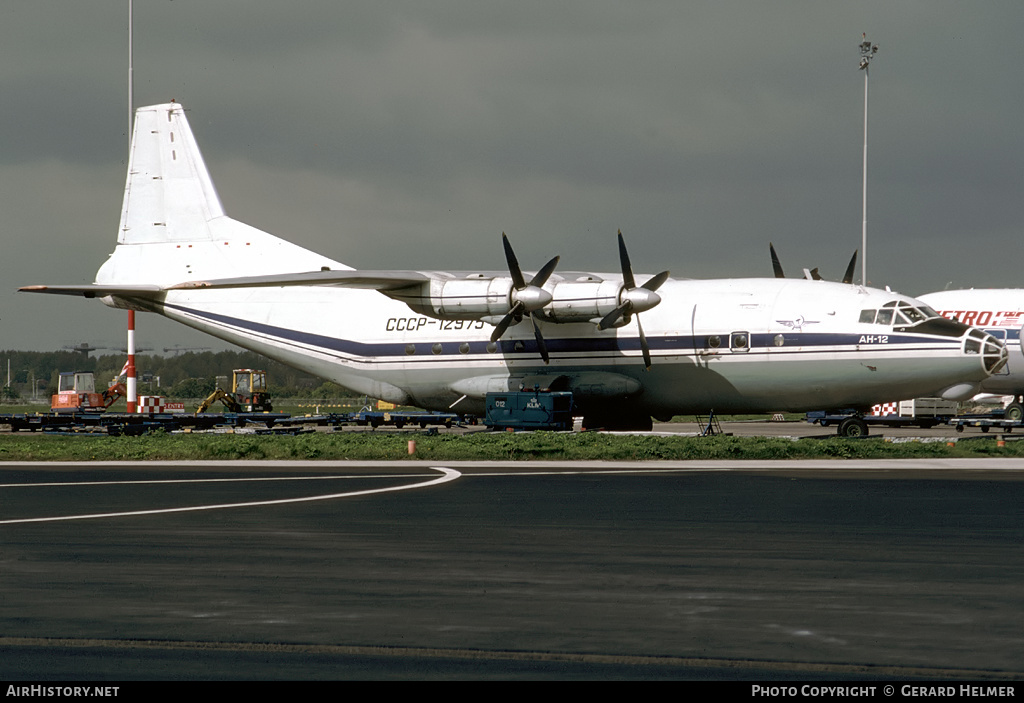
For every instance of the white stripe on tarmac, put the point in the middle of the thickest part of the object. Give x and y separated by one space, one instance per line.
446 476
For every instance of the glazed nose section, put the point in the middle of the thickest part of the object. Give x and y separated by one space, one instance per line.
992 351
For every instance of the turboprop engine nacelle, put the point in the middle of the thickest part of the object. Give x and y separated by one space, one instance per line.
583 300
475 297
488 298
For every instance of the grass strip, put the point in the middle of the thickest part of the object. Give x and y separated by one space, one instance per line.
482 446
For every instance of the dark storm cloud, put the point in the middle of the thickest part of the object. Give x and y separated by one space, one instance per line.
407 134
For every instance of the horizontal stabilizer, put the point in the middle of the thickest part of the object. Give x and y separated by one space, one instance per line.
97 291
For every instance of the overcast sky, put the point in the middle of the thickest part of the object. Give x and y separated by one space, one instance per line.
411 134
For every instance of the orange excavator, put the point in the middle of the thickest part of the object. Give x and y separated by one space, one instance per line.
76 393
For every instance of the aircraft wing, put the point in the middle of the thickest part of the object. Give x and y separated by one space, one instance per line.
372 280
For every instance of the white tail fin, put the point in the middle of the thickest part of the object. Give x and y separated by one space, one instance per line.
173 227
169 195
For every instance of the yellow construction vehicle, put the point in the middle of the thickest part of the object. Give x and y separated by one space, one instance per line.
248 393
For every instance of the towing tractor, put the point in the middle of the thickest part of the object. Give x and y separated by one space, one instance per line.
248 393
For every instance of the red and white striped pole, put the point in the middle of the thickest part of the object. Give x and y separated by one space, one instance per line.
132 398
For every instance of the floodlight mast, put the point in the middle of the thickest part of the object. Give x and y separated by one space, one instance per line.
867 52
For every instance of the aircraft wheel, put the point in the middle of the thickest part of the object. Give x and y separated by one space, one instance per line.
853 427
1015 412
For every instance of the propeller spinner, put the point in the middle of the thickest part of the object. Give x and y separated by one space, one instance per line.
634 299
525 298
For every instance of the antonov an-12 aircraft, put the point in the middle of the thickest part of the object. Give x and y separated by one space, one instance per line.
441 340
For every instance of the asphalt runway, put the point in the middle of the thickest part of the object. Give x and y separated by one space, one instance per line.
693 570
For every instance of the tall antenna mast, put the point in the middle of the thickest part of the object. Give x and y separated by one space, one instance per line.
131 78
867 52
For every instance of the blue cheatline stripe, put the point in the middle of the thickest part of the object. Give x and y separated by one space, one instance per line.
761 343
1012 334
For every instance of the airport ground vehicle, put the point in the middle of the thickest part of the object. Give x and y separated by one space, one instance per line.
529 410
76 392
399 419
918 412
248 393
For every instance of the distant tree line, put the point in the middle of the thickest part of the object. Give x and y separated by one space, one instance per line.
185 375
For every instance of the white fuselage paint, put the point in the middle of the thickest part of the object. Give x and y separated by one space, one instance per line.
806 348
997 311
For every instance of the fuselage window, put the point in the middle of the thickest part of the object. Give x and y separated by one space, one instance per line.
739 341
714 341
867 316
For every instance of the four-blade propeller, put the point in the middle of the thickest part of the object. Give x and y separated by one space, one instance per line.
634 299
525 298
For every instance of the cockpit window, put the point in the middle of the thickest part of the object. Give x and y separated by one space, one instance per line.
912 313
898 313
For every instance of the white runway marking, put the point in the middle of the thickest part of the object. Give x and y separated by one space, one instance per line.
446 476
50 484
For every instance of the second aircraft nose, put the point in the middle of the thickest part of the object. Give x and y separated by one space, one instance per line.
992 351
